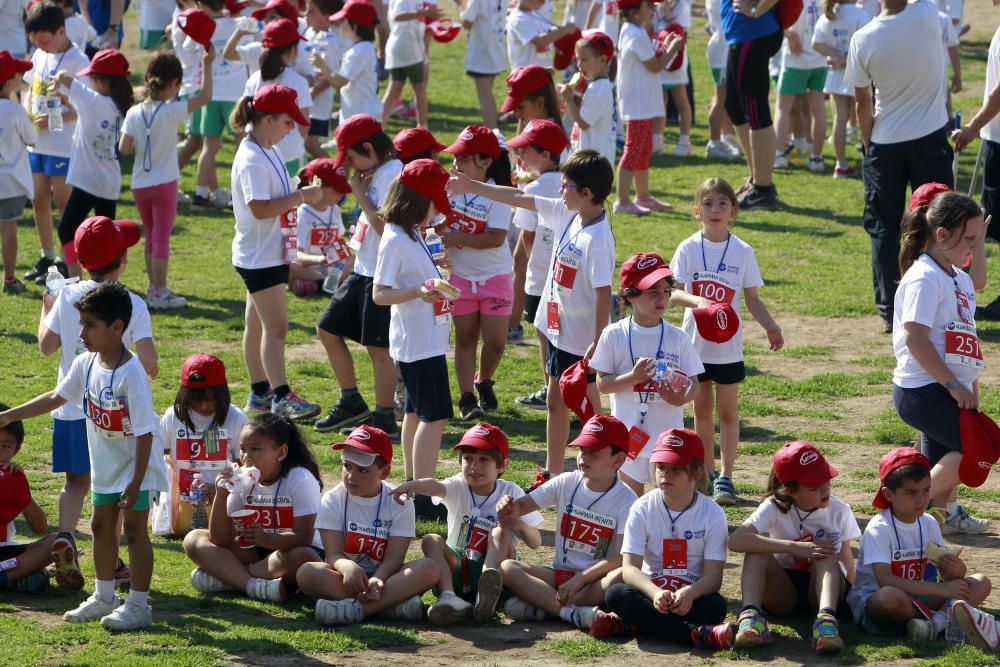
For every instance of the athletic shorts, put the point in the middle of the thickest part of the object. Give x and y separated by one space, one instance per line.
481 75
50 165
12 208
70 452
293 166
150 39
264 552
415 73
465 577
143 502
258 280
733 373
319 128
212 120
932 411
801 581
531 302
490 297
12 551
799 81
428 392
558 361
719 75
352 313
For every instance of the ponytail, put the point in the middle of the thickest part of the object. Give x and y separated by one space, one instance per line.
950 211
283 431
500 169
163 70
242 114
915 237
777 491
272 61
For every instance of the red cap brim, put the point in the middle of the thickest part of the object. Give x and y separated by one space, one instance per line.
654 277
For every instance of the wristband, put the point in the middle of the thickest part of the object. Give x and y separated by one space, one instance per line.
950 385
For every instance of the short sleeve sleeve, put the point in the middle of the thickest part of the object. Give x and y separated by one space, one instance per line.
547 494
602 261
849 529
603 360
762 519
350 65
876 544
331 510
71 387
140 326
552 213
855 72
255 182
921 300
716 537
140 400
131 125
635 532
305 494
388 266
751 276
404 524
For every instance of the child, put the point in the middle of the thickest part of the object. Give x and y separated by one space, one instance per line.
626 360
477 541
264 205
529 34
352 314
122 431
421 315
484 54
322 249
672 573
674 14
416 143
938 358
153 17
593 508
22 565
283 491
330 47
896 584
722 144
16 134
155 174
531 95
356 78
94 173
593 116
732 269
476 236
805 561
405 57
365 535
49 157
638 74
201 433
576 296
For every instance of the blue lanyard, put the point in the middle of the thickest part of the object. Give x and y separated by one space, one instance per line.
52 72
569 510
274 503
675 519
722 260
282 173
327 224
560 247
147 157
376 524
111 384
644 395
802 519
920 532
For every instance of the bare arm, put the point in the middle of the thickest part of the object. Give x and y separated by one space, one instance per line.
552 35
35 517
673 45
633 575
205 95
39 405
866 114
989 109
145 349
126 145
229 52
460 184
763 317
956 69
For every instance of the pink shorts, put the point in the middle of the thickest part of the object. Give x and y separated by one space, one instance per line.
490 297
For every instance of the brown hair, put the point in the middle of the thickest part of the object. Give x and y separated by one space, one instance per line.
162 71
493 453
405 208
632 292
718 186
272 61
119 90
949 211
283 431
244 114
548 95
186 396
776 491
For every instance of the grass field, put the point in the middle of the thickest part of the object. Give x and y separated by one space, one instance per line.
831 385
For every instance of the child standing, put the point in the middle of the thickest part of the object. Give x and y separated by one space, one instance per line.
529 34
328 46
16 134
716 265
356 78
405 57
674 15
416 143
593 116
805 562
484 55
722 144
322 248
122 431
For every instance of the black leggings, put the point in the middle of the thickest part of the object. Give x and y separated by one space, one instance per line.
748 81
78 207
636 609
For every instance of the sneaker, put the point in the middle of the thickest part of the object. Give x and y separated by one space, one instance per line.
448 610
40 269
266 589
682 150
128 616
608 624
653 204
964 523
583 617
816 164
718 150
540 478
123 575
203 204
851 135
339 612
714 637
410 609
535 401
13 286
920 630
409 113
165 300
979 627
759 198
36 582
203 582
753 630
724 493
780 161
657 145
221 198
401 105
63 552
468 406
183 199
734 144
515 334
844 172
490 586
92 609
294 407
826 634
343 413
487 398
744 188
629 208
517 609
390 427
257 403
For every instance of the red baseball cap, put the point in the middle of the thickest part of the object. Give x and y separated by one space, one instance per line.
11 66
444 30
600 41
643 270
896 458
15 495
717 322
100 240
980 447
414 141
678 60
328 173
476 139
283 7
678 447
628 4
198 25
800 462
573 389
109 62
281 33
210 367
275 98
361 12
367 442
236 7
565 48
602 431
926 193
485 436
428 178
544 133
523 81
353 131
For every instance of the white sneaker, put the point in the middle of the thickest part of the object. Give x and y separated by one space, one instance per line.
964 523
780 161
851 135
490 585
816 165
920 630
410 609
268 589
734 143
583 617
682 150
718 150
166 300
92 609
658 145
519 610
979 627
339 612
448 610
203 582
184 198
221 198
129 616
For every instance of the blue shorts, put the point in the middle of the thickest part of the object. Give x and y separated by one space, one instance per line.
69 446
50 165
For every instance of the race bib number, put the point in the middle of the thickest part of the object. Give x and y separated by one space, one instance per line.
674 574
587 532
565 271
273 514
475 536
337 250
442 312
712 286
110 416
358 235
552 317
366 541
473 221
574 135
289 241
194 448
908 564
961 345
322 238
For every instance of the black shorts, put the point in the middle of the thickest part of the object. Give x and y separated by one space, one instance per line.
352 313
932 411
733 373
428 392
801 580
258 280
264 552
531 306
12 550
480 75
558 361
319 128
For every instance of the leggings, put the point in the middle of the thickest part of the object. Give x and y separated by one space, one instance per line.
638 145
637 610
157 207
748 81
80 203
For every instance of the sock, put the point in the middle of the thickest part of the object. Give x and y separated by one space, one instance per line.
350 393
843 165
106 590
139 598
728 137
750 607
446 594
281 391
260 388
566 614
251 582
202 191
940 621
49 254
951 508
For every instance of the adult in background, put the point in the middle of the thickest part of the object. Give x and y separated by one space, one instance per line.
906 139
105 16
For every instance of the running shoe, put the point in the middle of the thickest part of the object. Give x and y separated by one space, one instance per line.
294 407
257 403
752 630
714 637
826 634
129 616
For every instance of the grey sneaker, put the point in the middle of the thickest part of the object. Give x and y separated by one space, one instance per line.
448 610
724 492
961 522
490 585
536 400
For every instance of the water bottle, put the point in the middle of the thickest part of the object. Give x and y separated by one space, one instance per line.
332 279
53 107
54 281
197 495
661 372
436 247
249 24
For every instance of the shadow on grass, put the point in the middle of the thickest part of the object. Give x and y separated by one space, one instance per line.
811 232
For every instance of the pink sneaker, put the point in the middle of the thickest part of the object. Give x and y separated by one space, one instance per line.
653 204
630 208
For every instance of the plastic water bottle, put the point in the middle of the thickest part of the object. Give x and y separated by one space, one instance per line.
53 108
436 247
197 495
249 24
332 279
661 372
54 281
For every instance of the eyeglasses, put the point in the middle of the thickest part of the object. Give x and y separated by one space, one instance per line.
564 186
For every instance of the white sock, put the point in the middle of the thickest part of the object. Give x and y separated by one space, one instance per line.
940 621
202 191
683 139
139 598
566 613
843 165
801 144
951 508
106 590
728 137
49 254
250 584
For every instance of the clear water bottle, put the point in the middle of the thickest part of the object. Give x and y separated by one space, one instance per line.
53 108
198 498
54 281
332 279
436 247
249 24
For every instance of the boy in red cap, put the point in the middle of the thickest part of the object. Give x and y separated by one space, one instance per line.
673 555
477 540
16 134
322 250
357 77
593 507
897 585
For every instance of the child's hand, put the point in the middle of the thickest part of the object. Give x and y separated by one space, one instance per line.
956 589
374 590
644 369
130 495
775 338
951 567
505 508
675 398
355 580
253 532
63 78
402 490
429 295
359 184
312 194
11 467
209 56
459 183
433 12
567 592
662 601
41 121
673 44
683 599
794 42
965 398
811 550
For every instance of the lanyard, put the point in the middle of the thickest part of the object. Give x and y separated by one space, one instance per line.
327 224
277 491
560 247
111 384
147 157
475 511
920 532
52 72
722 262
644 395
802 519
954 280
569 510
377 523
675 519
286 184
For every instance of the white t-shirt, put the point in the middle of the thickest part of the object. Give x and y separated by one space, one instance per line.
293 144
332 46
546 185
155 163
804 27
928 296
16 133
192 452
664 15
280 503
250 53
120 403
607 20
522 27
191 54
155 14
597 108
228 76
727 273
991 131
484 53
365 234
583 259
474 215
93 164
674 552
893 52
319 229
901 545
583 538
837 34
360 95
405 46
871 7
46 66
835 522
79 32
258 175
64 321
717 50
635 81
355 517
12 37
415 332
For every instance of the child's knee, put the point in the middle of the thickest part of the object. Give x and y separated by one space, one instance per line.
426 570
310 575
980 586
432 544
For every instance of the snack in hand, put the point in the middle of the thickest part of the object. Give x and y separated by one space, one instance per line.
443 287
935 551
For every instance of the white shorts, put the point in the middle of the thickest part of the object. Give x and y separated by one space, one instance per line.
638 468
836 85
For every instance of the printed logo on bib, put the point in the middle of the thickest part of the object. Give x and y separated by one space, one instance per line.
908 564
961 345
474 536
367 541
587 532
358 233
289 241
273 514
110 416
674 574
566 267
713 286
467 219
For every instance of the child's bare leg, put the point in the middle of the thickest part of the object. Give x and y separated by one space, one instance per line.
890 606
414 578
704 422
764 584
438 551
533 584
727 404
556 429
35 557
321 582
8 241
140 549
102 524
